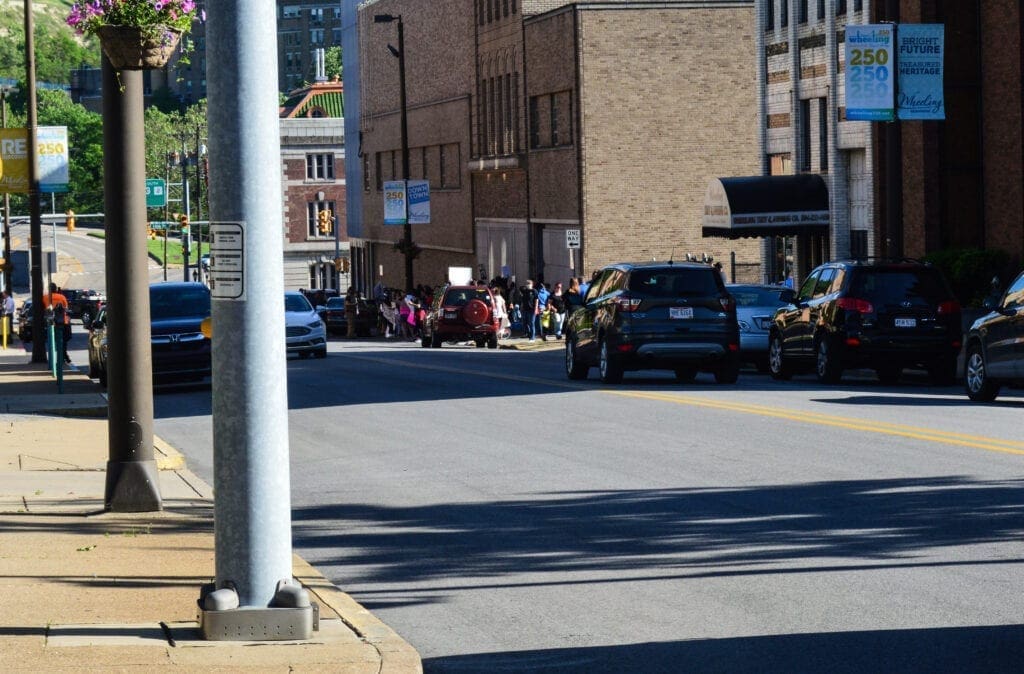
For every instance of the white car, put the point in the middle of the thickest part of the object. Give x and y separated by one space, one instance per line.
305 333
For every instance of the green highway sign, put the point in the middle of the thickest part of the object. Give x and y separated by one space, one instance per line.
156 193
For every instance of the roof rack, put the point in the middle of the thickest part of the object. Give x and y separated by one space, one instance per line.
883 258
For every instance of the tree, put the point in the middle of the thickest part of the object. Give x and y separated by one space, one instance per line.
333 62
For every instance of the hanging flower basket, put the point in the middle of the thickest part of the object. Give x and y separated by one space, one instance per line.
135 48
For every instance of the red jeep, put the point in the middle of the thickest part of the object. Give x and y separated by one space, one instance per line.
461 313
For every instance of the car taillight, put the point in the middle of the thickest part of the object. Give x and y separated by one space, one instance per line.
627 303
728 304
948 308
854 304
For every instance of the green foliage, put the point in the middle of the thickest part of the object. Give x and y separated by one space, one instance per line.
333 62
970 271
58 50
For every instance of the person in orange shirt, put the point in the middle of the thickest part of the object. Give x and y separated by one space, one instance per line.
61 315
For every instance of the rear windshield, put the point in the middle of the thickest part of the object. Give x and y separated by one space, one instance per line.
178 302
297 303
458 297
892 286
336 303
675 282
757 297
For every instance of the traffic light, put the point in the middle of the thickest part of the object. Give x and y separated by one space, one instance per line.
341 264
70 220
185 239
324 220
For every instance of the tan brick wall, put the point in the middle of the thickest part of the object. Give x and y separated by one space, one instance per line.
668 103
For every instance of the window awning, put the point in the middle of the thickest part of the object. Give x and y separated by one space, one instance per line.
766 206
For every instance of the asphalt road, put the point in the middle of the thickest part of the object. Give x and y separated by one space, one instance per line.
504 519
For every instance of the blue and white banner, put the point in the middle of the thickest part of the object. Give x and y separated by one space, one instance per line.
52 153
869 77
418 194
921 47
395 209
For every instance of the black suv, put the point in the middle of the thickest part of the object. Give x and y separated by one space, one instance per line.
84 304
995 355
659 315
884 315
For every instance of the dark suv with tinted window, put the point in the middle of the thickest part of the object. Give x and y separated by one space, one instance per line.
883 315
995 346
659 315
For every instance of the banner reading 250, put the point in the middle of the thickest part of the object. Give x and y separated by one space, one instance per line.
51 154
869 73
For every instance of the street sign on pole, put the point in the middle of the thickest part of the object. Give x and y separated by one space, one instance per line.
572 238
156 193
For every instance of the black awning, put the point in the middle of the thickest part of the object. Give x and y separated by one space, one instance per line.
766 206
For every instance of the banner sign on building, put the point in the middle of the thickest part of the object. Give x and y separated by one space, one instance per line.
14 161
418 194
394 202
921 48
52 150
869 76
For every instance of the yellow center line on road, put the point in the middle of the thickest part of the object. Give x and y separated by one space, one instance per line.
852 423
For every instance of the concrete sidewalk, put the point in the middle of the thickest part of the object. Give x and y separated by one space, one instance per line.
84 590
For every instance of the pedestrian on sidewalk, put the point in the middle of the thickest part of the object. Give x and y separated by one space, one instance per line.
530 310
8 313
556 305
57 302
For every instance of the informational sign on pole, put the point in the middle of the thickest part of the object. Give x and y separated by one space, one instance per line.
227 261
418 194
14 161
920 50
52 150
156 193
572 238
395 212
869 76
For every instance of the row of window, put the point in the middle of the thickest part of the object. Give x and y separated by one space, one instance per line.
551 120
316 14
493 10
440 165
497 114
320 166
803 11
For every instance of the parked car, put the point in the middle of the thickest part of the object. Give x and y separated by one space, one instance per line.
878 314
659 315
305 333
461 313
180 351
83 304
333 315
24 314
995 346
755 307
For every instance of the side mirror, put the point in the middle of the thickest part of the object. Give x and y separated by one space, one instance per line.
94 325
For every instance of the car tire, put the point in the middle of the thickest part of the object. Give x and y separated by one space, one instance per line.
728 371
685 374
826 363
943 371
492 342
980 388
424 340
303 355
889 374
102 374
435 341
86 318
574 369
611 371
475 312
322 353
778 368
93 370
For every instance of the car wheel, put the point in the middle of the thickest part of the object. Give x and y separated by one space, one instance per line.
827 366
611 371
425 340
322 353
103 377
686 374
86 318
889 374
979 387
728 371
303 355
492 342
479 342
435 341
574 369
777 366
942 372
93 370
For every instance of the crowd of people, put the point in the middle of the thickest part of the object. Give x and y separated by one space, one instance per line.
534 310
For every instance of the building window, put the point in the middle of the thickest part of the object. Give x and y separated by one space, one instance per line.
499 104
290 12
805 135
784 14
534 123
769 15
490 11
378 177
319 167
859 244
316 36
554 121
513 6
313 209
506 133
316 15
803 10
505 7
823 134
441 165
858 5
480 11
515 109
821 10
366 173
840 7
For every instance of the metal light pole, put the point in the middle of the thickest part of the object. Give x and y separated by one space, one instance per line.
8 267
400 53
35 214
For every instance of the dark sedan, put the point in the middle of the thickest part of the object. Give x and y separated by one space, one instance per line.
333 315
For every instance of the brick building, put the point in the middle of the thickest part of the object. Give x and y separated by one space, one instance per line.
607 117
313 180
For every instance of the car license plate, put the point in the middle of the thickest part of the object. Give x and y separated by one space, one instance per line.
906 322
680 312
451 314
